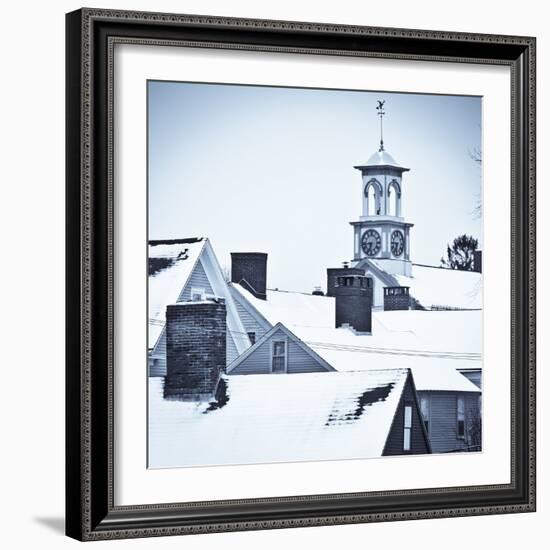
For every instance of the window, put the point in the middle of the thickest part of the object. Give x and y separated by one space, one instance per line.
197 294
407 427
460 418
252 337
425 410
278 357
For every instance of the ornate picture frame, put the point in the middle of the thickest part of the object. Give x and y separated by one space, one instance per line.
90 252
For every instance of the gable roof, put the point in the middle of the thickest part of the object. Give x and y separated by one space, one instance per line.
277 419
434 344
170 266
267 336
376 269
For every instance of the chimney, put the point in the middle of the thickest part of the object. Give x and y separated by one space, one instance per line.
396 298
333 272
249 269
195 349
477 261
353 296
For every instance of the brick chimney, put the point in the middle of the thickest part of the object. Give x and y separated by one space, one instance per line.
396 298
353 297
333 272
477 261
195 349
249 269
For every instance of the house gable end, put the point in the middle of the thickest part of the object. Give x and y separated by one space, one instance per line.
257 359
419 440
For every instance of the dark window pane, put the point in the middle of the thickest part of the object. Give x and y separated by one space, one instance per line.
278 364
278 348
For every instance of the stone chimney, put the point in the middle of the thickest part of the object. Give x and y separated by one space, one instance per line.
396 298
249 269
477 261
334 272
353 297
195 349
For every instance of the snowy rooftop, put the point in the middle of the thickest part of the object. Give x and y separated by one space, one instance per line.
170 264
381 158
434 344
434 286
277 419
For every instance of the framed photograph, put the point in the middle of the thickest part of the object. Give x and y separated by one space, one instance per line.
300 274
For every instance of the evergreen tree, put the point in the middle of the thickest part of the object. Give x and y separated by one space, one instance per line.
460 255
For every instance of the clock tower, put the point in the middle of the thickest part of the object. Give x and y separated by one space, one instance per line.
382 234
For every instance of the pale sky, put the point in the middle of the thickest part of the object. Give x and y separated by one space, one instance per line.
265 169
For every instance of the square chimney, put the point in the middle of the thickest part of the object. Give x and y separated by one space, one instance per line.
195 349
249 269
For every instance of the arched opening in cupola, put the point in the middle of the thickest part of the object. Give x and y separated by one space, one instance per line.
373 194
394 199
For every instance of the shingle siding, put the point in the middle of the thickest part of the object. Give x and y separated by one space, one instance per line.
259 361
443 419
394 443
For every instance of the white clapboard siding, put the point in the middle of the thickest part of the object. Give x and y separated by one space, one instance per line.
259 361
249 322
197 279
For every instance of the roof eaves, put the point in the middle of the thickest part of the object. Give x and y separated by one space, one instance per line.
236 292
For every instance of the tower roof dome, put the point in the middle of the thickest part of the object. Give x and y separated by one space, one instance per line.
381 158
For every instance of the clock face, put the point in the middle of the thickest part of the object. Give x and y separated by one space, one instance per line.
397 242
371 242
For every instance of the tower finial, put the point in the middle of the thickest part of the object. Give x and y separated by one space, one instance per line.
381 113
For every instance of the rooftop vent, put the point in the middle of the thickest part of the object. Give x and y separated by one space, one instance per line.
333 272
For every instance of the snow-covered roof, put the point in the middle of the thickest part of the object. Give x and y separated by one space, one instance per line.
291 308
170 265
435 286
433 369
434 344
381 158
277 418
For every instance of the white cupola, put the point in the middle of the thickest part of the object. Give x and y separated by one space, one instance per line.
382 233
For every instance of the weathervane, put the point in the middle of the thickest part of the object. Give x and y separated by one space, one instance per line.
381 113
